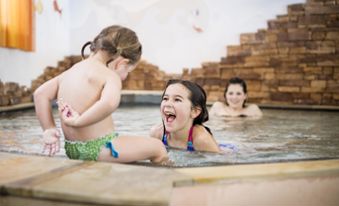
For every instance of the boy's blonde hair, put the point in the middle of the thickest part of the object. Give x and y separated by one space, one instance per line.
117 41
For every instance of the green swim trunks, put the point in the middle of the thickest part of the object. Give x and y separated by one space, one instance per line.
88 150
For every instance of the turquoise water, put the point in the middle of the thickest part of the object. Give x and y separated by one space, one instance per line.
281 135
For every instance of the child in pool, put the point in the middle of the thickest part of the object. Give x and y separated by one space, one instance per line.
235 95
93 88
183 111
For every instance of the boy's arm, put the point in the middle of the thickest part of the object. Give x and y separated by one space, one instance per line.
42 101
105 106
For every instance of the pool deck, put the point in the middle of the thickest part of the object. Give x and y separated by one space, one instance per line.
42 180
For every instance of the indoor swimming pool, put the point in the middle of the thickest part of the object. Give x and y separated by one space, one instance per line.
279 136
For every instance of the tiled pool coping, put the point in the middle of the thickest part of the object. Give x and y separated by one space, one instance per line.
147 97
41 180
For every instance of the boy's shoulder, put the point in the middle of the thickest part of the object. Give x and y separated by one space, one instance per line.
97 68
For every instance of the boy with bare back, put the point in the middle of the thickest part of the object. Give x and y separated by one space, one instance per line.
88 94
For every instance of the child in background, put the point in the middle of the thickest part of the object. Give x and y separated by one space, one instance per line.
88 94
235 98
183 111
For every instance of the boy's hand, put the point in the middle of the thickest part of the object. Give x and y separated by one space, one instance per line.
51 139
68 115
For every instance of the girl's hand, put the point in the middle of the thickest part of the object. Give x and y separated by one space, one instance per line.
51 139
68 115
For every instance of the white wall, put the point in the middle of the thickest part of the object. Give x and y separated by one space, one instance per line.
52 44
165 28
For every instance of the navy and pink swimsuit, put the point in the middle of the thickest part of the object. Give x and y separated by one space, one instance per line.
190 146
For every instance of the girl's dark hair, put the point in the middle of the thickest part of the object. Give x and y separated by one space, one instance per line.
198 98
117 41
236 80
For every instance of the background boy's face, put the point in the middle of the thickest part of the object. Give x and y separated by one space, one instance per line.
176 107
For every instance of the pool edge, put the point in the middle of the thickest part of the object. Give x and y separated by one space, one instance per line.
153 97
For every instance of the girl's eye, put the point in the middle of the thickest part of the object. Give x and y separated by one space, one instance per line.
238 93
178 100
164 98
230 93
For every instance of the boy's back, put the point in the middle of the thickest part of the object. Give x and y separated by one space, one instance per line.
82 86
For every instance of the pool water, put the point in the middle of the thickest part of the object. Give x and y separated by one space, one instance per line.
280 135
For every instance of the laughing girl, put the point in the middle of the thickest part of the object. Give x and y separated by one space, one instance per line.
183 112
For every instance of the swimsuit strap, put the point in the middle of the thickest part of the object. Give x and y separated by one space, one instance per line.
164 138
110 146
190 146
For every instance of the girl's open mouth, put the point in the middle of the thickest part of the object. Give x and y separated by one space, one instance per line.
170 117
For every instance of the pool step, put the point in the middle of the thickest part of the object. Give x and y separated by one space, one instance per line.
40 180
58 181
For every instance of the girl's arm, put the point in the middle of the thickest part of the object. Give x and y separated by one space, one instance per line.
105 106
204 141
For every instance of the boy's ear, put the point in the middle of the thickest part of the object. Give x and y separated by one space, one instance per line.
195 112
123 61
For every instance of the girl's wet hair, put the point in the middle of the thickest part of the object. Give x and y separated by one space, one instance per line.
236 80
198 98
117 41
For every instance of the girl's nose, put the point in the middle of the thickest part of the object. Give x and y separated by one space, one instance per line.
168 104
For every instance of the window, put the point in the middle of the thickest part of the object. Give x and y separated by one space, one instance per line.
16 24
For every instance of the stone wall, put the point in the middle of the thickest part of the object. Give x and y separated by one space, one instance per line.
50 72
12 93
294 61
145 77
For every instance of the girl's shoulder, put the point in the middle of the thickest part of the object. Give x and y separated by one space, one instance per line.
203 140
218 104
253 110
219 109
200 133
199 128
